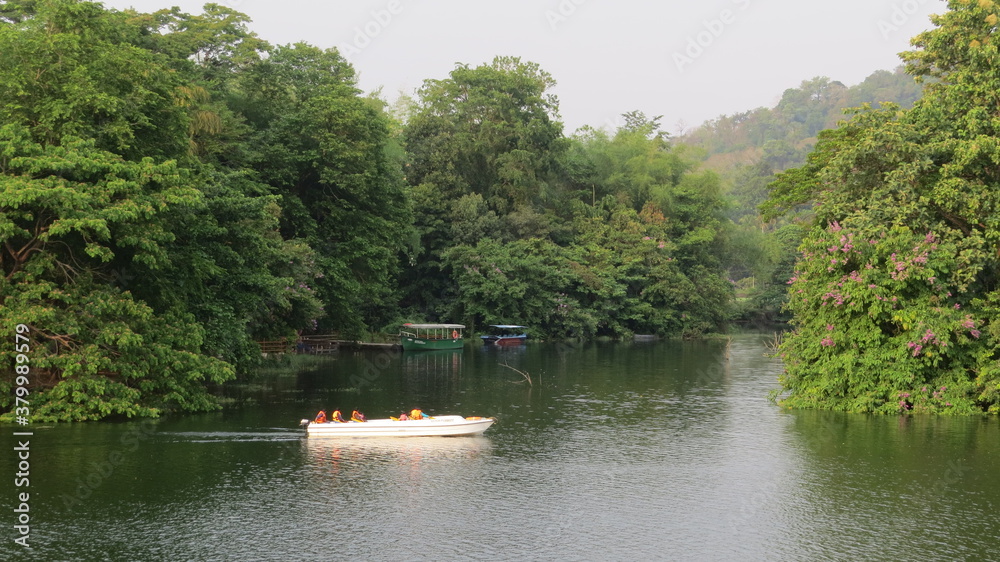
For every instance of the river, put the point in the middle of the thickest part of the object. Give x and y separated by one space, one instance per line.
614 451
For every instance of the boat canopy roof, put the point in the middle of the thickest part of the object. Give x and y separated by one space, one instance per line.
435 326
507 326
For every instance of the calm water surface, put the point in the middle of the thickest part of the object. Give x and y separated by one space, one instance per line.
640 451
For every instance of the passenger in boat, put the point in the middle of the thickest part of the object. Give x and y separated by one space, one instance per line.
357 416
416 414
321 417
336 416
402 417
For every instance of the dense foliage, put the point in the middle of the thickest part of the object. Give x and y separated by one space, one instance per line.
597 234
173 190
896 293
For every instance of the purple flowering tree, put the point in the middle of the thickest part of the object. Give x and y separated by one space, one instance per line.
897 285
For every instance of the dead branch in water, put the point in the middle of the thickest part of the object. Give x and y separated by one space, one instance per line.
526 376
773 346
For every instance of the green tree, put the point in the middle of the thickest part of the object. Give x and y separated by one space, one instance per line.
895 296
71 68
489 133
651 230
217 42
97 351
329 154
524 281
490 130
136 264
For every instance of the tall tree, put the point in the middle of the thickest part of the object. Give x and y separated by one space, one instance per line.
681 287
70 68
89 120
328 152
66 209
490 131
896 294
137 264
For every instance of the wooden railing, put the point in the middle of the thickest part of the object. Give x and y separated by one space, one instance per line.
315 344
276 346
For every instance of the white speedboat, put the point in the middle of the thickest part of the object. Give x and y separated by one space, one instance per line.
435 426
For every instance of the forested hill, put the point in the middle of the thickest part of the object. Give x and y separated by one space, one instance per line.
784 134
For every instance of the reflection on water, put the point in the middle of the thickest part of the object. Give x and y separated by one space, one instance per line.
646 450
321 451
887 483
437 363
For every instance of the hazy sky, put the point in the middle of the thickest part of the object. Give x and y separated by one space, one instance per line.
685 60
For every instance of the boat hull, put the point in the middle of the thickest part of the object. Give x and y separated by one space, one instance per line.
437 426
510 340
505 334
411 343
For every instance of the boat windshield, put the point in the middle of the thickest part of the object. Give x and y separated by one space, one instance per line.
506 329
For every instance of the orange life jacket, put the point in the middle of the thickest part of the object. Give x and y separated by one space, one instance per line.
337 416
321 417
357 416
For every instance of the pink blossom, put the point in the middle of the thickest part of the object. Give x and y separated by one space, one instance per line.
827 342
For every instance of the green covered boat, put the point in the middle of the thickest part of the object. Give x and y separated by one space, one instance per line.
431 336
